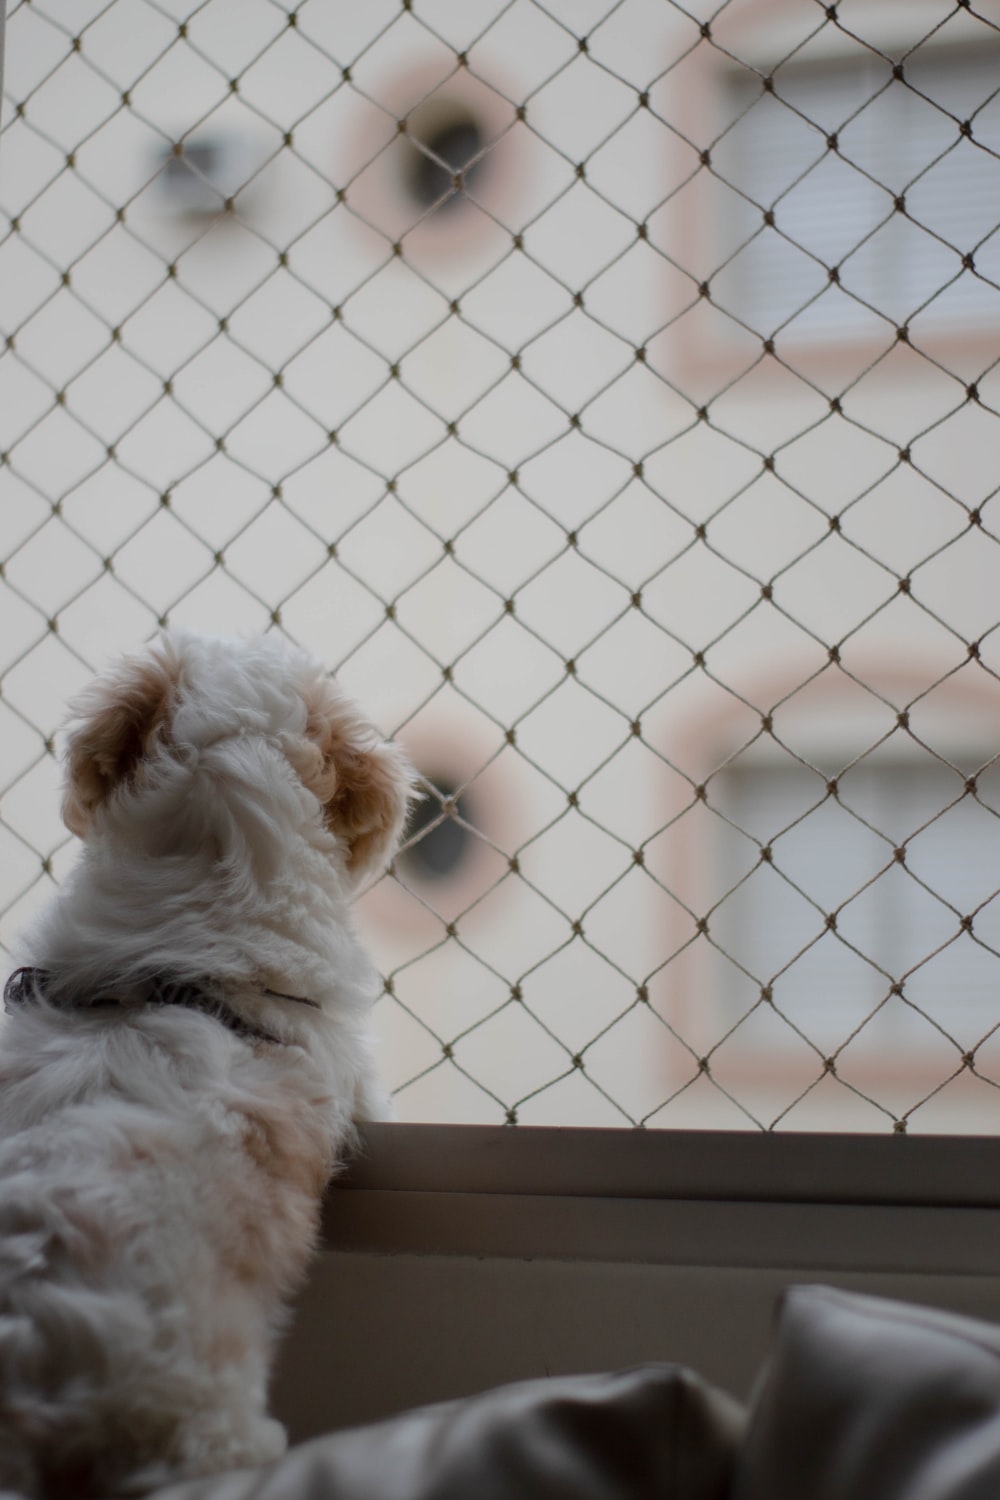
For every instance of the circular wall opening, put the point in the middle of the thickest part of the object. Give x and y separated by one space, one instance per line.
444 141
439 839
415 134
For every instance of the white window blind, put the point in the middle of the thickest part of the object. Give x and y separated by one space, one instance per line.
899 879
865 196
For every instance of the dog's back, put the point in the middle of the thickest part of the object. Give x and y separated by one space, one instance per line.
159 1183
187 1049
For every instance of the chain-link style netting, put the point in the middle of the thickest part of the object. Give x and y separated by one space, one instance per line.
608 391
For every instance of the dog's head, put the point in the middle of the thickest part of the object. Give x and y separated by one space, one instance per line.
187 695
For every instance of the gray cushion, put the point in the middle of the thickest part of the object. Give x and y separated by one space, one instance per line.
653 1433
861 1399
865 1399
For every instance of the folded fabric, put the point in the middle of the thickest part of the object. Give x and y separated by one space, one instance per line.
865 1399
653 1433
861 1399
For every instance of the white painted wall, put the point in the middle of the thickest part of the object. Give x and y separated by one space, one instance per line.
219 500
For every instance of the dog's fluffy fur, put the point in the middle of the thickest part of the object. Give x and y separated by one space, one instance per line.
161 1173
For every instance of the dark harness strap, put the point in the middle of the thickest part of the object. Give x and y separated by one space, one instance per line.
27 986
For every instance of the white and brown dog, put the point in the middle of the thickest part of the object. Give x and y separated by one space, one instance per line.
183 1060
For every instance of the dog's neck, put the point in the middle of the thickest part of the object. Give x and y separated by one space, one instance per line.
121 914
30 986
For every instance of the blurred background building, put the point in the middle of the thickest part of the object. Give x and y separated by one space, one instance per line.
607 391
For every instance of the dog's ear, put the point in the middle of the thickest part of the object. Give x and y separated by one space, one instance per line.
365 785
369 806
115 721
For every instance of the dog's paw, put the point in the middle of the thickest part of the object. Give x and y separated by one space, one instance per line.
214 1446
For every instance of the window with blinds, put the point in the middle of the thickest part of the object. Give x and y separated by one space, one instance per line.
856 925
864 193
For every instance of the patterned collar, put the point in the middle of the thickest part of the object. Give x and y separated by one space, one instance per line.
27 986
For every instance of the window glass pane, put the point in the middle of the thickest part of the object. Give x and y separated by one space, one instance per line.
832 192
836 854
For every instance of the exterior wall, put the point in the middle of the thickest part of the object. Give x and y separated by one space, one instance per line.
514 565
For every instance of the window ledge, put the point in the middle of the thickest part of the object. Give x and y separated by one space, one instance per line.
946 1171
813 1203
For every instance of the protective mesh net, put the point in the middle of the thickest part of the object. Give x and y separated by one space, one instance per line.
607 391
